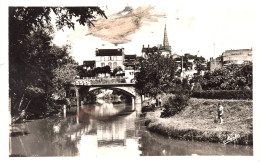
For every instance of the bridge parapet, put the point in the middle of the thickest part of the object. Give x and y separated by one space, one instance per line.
99 80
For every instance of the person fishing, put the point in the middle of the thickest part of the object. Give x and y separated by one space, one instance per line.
220 113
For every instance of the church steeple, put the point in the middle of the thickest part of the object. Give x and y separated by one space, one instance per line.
165 38
166 47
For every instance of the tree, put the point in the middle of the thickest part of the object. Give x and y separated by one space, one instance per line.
116 70
231 77
176 104
156 74
63 77
199 62
32 56
106 70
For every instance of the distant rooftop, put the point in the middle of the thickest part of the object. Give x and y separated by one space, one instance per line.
133 56
149 49
239 50
109 52
89 63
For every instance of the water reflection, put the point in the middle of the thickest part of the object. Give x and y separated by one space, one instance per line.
111 133
101 131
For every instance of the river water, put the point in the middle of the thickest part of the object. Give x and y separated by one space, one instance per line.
113 130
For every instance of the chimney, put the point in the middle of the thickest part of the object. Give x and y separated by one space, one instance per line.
96 51
123 54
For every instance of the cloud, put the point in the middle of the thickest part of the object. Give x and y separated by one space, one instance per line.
119 27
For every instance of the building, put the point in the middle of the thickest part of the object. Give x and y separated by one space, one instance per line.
163 49
174 56
216 63
129 64
110 57
187 64
239 56
89 65
149 50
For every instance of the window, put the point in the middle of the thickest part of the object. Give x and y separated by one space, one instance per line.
115 58
110 58
110 64
114 65
102 58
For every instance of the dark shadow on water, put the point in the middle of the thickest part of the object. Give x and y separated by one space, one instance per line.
16 134
16 155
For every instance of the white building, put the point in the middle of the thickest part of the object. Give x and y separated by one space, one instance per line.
239 56
129 63
110 57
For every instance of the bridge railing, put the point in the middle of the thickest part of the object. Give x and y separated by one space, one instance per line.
100 80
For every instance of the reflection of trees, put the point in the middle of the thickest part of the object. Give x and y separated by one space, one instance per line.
156 145
61 139
70 133
52 137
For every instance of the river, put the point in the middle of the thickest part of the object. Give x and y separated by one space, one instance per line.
115 131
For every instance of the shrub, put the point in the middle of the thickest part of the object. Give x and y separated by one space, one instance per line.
232 77
148 108
197 87
224 94
174 105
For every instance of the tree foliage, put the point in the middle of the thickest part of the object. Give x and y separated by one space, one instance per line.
200 64
94 72
156 74
176 104
232 77
116 70
37 68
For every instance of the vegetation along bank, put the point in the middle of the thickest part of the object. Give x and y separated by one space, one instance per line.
197 122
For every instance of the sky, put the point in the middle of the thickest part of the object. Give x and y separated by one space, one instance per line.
192 27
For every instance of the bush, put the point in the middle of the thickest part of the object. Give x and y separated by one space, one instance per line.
224 94
197 87
174 105
232 77
148 108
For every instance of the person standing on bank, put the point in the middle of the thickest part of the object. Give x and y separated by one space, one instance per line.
220 113
160 102
153 102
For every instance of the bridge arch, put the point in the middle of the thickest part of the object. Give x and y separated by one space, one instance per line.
125 90
81 85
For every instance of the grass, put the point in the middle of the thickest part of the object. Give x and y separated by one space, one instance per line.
196 121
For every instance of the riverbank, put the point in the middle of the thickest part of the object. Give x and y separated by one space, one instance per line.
196 122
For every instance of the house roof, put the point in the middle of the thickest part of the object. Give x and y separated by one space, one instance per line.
130 56
147 50
109 52
89 63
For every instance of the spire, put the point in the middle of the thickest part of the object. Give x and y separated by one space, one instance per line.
165 38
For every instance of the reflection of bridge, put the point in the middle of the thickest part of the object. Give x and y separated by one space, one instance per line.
113 83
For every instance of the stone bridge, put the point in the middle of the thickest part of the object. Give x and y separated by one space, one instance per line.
113 83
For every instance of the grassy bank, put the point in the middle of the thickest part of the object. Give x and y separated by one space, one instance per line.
196 121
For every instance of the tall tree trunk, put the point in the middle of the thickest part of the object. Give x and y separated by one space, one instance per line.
27 104
21 103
